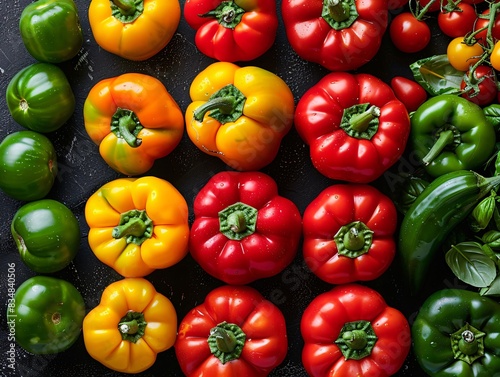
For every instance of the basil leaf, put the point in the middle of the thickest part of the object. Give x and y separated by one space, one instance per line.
469 263
483 213
493 289
492 113
492 239
437 76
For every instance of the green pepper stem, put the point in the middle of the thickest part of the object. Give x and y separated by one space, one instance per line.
238 221
225 105
354 239
355 339
129 327
467 344
132 326
360 122
226 341
337 10
135 226
125 125
127 7
446 138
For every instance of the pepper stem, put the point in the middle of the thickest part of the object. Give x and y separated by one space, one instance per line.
356 339
132 326
225 105
135 226
227 13
127 7
339 14
337 10
226 341
126 11
126 125
238 221
361 121
354 239
467 344
446 138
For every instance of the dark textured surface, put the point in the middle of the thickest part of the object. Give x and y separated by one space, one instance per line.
82 171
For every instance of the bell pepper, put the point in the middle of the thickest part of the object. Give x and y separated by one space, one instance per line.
138 225
51 31
354 125
134 29
130 326
40 98
450 133
455 334
47 314
341 35
28 165
232 31
349 233
242 229
47 235
134 120
239 115
234 332
351 331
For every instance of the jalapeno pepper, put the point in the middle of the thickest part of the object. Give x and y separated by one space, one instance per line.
450 133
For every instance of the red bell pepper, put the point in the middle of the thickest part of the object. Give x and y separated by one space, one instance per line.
354 125
339 35
351 331
235 332
349 233
236 30
243 230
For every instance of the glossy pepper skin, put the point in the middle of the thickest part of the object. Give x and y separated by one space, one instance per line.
51 31
40 97
138 225
354 125
239 115
351 331
134 120
47 235
231 31
349 233
28 165
455 334
234 332
48 313
134 29
339 35
243 230
130 326
450 133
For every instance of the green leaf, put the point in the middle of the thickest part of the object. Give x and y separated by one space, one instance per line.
437 76
492 239
492 113
469 263
493 289
483 212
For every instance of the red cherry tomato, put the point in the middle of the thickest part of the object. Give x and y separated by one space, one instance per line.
435 6
483 23
487 88
409 34
411 93
396 4
458 22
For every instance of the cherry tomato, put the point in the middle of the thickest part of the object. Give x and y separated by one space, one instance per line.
409 92
409 34
396 4
487 91
495 56
458 22
435 6
461 55
483 23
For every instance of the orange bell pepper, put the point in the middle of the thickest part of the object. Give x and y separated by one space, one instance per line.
130 326
134 120
138 225
134 29
239 114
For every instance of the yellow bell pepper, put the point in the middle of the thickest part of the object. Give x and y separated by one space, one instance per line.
130 326
239 114
134 29
137 225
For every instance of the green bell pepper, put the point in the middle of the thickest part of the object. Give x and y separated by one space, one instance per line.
28 165
450 133
47 313
456 334
47 235
50 30
40 98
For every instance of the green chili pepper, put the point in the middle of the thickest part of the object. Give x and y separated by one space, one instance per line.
450 133
50 30
456 334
